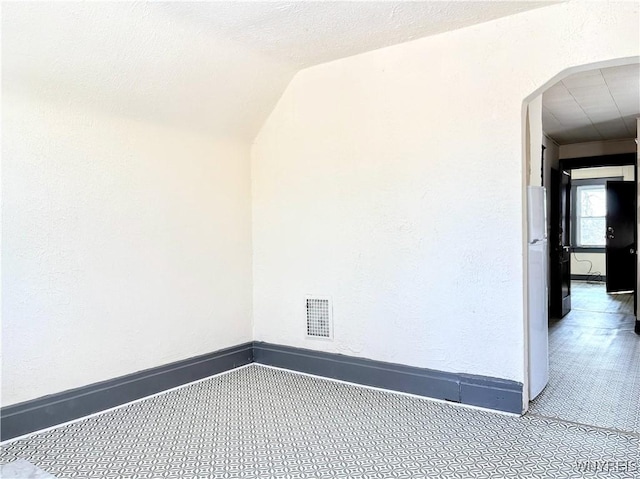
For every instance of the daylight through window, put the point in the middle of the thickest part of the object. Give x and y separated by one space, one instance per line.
591 217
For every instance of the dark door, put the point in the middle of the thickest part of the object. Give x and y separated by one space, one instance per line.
621 237
559 244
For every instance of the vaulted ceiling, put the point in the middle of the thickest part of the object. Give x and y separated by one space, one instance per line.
215 67
306 33
594 105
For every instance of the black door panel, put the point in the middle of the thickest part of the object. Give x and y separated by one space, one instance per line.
621 237
559 244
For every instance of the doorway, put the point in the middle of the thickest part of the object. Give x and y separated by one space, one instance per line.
603 239
596 210
594 353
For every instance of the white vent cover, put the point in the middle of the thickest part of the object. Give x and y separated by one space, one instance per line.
319 317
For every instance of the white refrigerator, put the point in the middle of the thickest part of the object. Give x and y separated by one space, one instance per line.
538 292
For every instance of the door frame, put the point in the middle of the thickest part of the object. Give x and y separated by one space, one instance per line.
621 159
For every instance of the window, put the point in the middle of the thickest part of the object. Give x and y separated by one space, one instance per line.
591 210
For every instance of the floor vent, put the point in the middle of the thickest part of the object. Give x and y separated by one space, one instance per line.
319 317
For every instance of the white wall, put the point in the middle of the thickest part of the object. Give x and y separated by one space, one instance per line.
597 148
394 182
624 172
126 189
126 218
125 245
589 264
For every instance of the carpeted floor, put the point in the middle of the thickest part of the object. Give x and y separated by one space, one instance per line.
21 469
259 422
594 362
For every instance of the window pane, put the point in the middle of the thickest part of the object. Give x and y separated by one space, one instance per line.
591 232
593 201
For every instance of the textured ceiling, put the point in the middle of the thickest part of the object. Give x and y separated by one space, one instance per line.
216 67
594 105
307 33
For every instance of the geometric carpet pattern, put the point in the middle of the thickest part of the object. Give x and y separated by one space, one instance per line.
594 363
260 422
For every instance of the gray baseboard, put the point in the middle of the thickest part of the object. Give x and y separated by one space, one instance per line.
492 393
23 418
29 416
589 277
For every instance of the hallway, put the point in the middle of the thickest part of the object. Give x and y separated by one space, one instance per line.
594 362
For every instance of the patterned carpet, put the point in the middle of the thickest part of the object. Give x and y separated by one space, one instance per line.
258 422
594 362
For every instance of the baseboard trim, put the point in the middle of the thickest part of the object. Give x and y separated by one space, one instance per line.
487 392
29 416
41 413
596 278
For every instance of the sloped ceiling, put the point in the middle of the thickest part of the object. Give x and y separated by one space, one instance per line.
600 104
308 33
216 67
